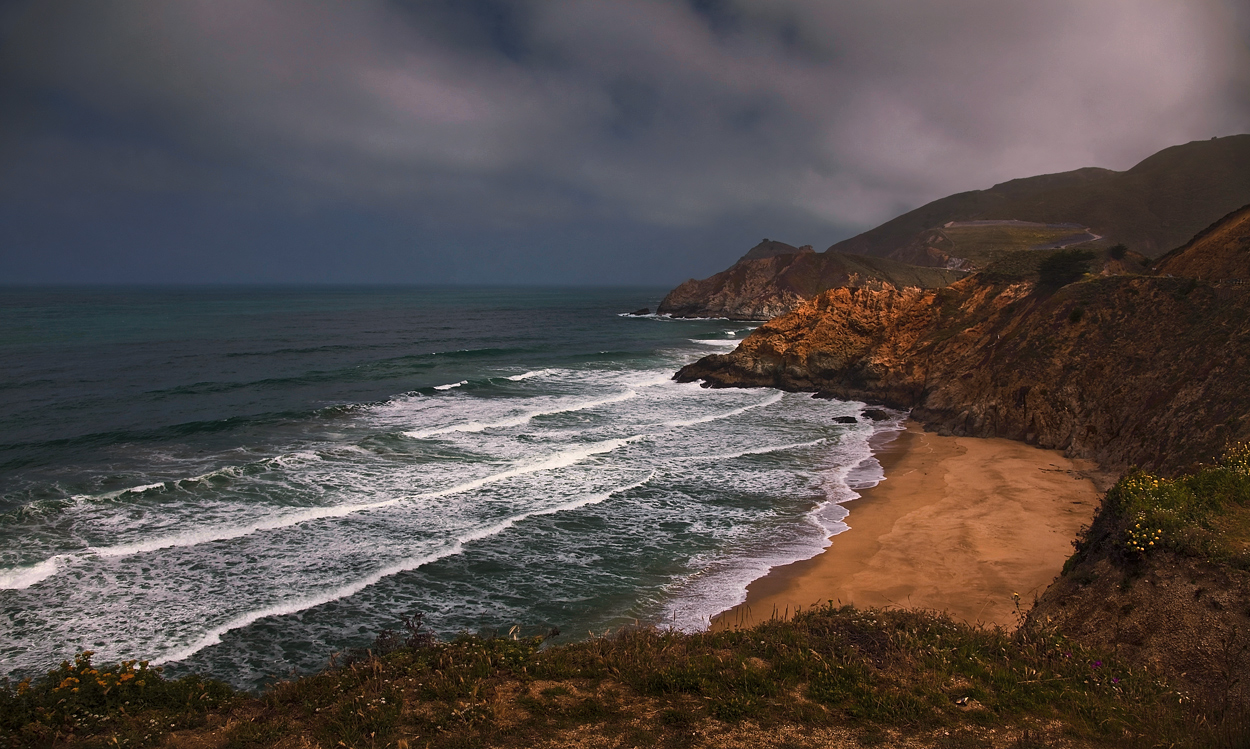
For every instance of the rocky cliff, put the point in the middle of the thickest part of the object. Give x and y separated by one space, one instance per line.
762 287
1122 369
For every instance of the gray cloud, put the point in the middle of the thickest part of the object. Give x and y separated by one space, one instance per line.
664 113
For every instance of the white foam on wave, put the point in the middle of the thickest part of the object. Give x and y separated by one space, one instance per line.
519 419
552 462
558 460
451 385
105 496
213 636
231 471
226 533
761 450
528 375
20 578
770 400
714 342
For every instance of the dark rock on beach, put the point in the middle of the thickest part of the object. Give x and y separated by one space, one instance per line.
845 420
641 312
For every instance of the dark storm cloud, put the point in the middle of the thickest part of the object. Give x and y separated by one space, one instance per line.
538 114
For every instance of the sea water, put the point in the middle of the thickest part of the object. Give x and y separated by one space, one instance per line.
243 482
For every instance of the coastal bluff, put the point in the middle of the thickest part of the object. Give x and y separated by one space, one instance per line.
1126 370
774 279
1147 375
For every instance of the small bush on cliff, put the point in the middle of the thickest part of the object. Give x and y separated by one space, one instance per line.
128 700
1064 267
1200 514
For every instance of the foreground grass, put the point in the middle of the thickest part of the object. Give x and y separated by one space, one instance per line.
866 676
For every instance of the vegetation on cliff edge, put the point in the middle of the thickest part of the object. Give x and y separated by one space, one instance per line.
865 676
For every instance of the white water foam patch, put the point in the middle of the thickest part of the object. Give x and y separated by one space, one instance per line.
212 535
722 583
768 401
106 496
520 419
213 636
761 450
715 342
451 385
233 471
529 375
555 461
20 578
559 460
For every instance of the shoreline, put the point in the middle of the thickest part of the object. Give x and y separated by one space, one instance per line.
958 524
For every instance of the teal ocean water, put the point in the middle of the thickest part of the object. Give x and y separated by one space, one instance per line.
243 482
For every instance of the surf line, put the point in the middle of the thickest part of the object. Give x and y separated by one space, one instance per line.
213 636
477 426
768 401
24 577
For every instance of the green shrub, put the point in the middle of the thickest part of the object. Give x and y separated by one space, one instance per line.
1063 267
1183 513
80 695
1118 252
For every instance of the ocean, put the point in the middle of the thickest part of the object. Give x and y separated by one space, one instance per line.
242 482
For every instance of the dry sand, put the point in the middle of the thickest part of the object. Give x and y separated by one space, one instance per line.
959 525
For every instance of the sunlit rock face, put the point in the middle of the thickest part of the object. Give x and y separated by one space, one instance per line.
762 286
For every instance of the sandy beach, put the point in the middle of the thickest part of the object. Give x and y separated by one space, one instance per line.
958 525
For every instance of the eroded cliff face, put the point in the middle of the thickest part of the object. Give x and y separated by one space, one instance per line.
1181 616
744 292
1123 370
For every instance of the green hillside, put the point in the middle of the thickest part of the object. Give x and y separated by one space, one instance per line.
1152 208
973 245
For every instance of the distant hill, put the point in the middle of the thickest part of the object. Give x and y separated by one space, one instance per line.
1221 252
1152 208
764 287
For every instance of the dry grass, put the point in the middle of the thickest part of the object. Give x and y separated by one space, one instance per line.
828 677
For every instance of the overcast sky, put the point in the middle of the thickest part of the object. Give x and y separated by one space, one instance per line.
558 141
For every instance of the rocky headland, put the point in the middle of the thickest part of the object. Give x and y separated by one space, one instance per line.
769 281
1145 370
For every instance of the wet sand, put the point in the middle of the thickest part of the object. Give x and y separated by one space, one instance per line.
959 525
